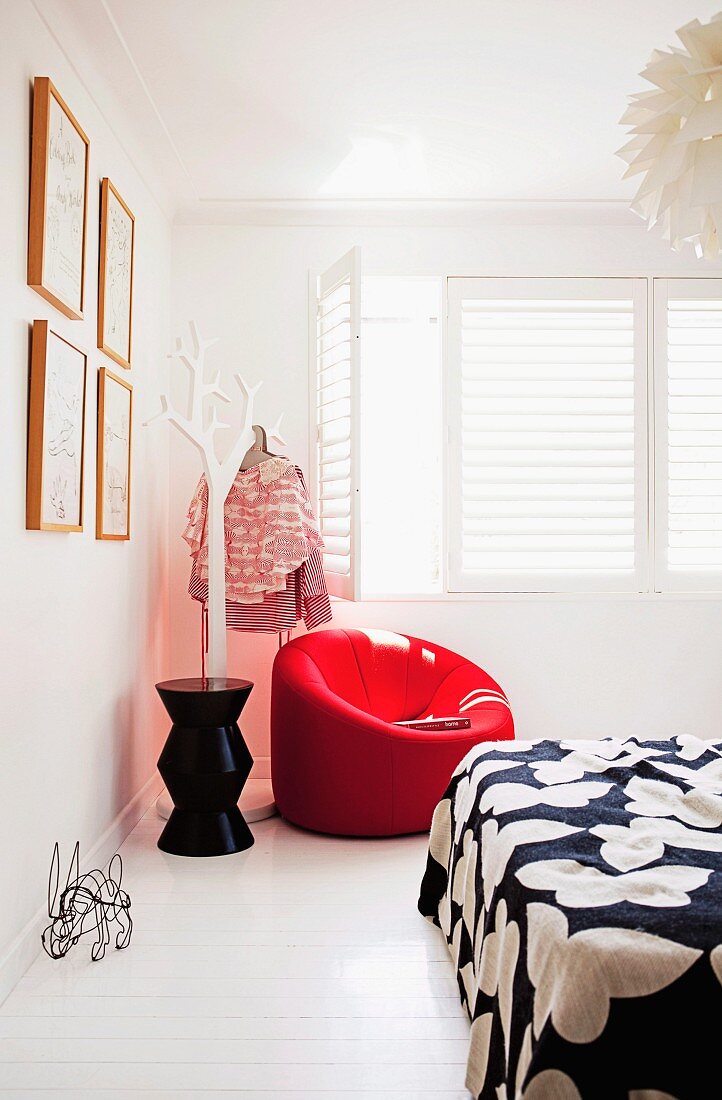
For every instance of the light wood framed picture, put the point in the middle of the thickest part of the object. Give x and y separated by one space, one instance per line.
115 425
58 201
56 432
115 282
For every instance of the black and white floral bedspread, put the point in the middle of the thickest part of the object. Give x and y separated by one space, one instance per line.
579 887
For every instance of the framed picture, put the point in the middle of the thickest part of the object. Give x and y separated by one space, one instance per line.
115 423
56 433
58 201
115 283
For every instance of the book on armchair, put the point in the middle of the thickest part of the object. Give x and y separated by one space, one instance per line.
437 724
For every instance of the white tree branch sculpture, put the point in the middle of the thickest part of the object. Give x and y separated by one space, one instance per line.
200 426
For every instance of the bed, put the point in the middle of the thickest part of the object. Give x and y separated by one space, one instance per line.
579 888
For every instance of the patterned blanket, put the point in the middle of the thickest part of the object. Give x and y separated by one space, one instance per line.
579 888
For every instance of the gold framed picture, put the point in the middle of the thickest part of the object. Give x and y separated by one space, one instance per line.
115 282
56 433
58 201
115 426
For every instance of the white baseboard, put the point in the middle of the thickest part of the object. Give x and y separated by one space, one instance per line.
26 946
261 768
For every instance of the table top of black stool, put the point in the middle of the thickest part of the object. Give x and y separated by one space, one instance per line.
210 684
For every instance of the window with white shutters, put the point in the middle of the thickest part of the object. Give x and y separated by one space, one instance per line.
688 433
334 361
547 457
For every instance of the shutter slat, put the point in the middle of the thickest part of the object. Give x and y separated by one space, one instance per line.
337 300
550 405
592 508
548 525
484 456
537 541
519 321
340 526
544 491
546 388
590 372
692 522
335 411
550 441
336 546
477 351
326 333
340 388
335 452
546 420
549 422
582 338
562 307
696 506
551 559
577 475
335 490
333 471
335 509
339 564
695 387
337 357
694 538
692 356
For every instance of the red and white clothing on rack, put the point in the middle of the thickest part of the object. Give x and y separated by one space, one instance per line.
274 572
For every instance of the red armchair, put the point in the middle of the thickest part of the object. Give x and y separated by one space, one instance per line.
339 764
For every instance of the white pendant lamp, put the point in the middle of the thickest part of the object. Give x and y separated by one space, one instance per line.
676 139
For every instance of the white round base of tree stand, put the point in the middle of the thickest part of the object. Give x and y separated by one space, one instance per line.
256 801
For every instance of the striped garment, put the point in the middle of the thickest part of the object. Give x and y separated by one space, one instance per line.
304 597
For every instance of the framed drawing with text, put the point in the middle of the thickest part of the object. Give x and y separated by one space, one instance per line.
56 433
115 282
115 422
58 201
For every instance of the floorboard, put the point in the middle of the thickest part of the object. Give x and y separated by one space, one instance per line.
298 969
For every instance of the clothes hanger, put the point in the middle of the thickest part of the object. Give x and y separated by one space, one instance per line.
258 451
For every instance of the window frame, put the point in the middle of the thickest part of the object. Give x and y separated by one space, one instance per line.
655 584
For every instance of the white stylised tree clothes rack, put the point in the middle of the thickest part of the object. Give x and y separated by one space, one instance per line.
200 424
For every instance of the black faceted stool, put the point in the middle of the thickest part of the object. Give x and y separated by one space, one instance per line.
205 763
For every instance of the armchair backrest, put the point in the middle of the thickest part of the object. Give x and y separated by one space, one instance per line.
392 676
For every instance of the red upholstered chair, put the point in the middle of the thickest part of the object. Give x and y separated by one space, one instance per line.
339 764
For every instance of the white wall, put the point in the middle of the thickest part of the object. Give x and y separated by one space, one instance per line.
84 624
579 667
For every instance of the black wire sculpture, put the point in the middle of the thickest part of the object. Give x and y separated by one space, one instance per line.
88 905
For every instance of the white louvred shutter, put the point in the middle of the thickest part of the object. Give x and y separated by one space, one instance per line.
547 434
336 318
688 440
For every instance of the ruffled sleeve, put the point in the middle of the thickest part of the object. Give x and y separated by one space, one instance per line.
195 530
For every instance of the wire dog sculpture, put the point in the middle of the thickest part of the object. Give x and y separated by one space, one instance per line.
89 904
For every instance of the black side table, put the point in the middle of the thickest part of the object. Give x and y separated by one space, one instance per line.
205 763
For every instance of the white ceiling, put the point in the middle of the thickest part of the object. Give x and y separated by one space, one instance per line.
256 101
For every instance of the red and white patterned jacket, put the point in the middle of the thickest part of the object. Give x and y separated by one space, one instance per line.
274 572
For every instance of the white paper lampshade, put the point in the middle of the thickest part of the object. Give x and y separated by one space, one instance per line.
676 139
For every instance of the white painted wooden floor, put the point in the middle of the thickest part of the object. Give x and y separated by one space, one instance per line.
298 969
